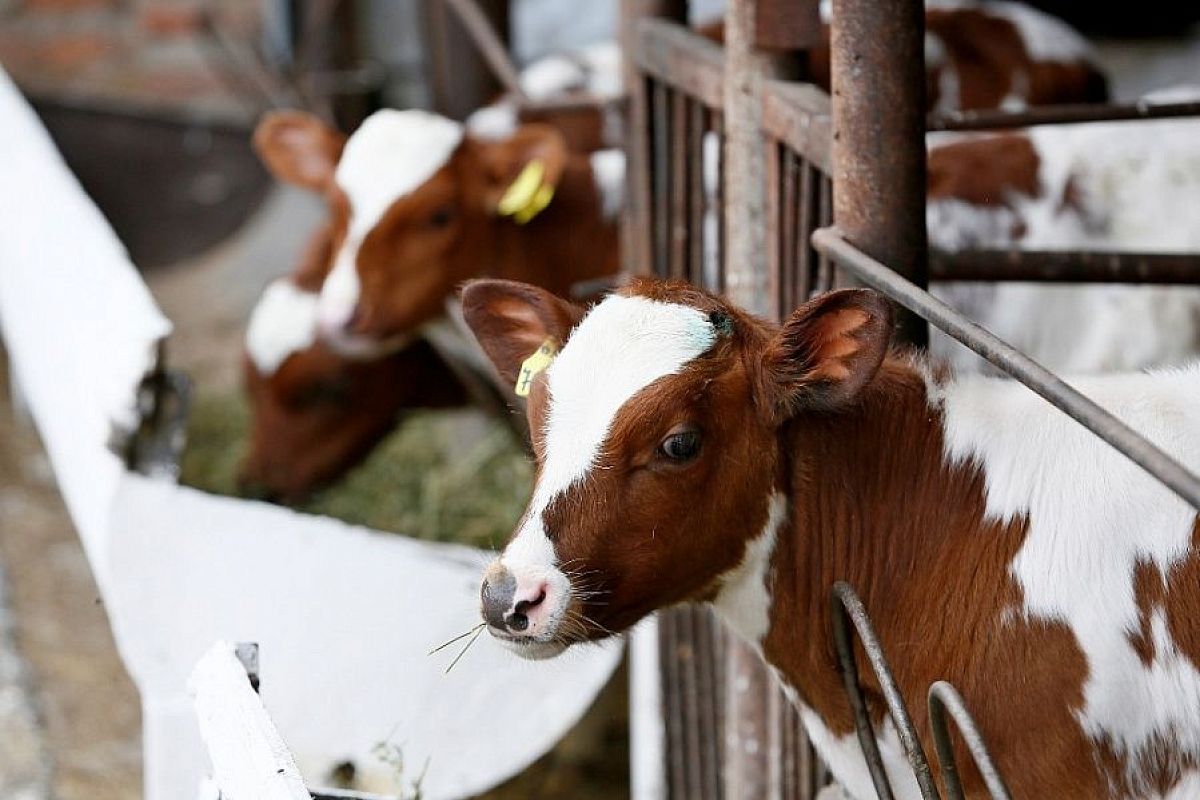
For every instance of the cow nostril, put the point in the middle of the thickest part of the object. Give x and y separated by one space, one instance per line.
517 621
353 321
524 605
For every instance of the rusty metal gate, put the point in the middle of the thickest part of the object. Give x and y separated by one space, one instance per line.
731 189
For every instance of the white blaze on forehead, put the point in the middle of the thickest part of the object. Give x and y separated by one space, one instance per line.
283 322
622 346
391 154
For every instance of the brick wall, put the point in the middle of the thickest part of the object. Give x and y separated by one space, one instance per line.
154 56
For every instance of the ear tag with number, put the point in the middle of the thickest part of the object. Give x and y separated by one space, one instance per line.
527 195
536 363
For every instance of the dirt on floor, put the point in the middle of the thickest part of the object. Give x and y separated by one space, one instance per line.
88 733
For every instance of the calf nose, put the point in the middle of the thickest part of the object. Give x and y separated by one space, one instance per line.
508 603
499 588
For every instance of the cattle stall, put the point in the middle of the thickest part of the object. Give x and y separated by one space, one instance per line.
750 182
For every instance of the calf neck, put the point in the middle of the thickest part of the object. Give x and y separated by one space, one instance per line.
689 452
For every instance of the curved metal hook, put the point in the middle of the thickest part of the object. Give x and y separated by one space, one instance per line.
847 608
943 699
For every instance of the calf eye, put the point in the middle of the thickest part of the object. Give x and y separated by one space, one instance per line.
441 217
681 445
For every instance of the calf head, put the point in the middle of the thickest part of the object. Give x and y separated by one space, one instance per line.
315 413
656 427
415 206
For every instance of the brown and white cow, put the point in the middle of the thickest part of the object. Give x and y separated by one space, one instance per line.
314 414
318 410
1128 186
687 451
419 205
985 55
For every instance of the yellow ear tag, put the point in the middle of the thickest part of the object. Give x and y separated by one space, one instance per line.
540 200
536 363
523 190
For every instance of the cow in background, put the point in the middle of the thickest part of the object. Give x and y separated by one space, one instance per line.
1132 186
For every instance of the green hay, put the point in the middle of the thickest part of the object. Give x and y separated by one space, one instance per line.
441 476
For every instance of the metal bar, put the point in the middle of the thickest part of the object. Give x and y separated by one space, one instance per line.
878 105
845 609
696 191
943 699
1064 266
677 221
636 245
1053 115
677 56
490 45
660 165
1167 470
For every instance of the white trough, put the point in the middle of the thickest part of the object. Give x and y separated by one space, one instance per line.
345 616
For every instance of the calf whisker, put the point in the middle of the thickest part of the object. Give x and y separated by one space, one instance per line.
466 647
456 638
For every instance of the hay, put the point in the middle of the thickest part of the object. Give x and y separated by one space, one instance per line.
451 476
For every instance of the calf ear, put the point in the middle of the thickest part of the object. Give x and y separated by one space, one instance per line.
298 148
523 171
511 321
827 351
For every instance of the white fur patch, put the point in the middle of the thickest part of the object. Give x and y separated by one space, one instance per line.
622 346
608 170
552 75
1093 516
283 322
1046 38
744 600
390 155
845 759
493 123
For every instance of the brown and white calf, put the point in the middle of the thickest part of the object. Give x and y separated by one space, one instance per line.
687 451
418 205
985 55
314 414
1132 186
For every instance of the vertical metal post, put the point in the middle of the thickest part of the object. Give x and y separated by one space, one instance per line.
879 137
460 78
636 241
751 729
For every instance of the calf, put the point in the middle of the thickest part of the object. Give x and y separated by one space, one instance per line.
418 206
687 452
1105 186
314 413
987 55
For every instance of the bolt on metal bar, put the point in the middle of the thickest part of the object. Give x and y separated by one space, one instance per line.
944 699
1053 115
1054 389
845 609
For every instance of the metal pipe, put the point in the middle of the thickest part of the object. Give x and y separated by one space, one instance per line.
1045 383
847 608
943 699
878 109
1053 115
1064 266
491 47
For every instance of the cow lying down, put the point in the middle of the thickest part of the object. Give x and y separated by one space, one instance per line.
687 451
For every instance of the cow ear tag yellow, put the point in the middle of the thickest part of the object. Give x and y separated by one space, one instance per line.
536 363
527 195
